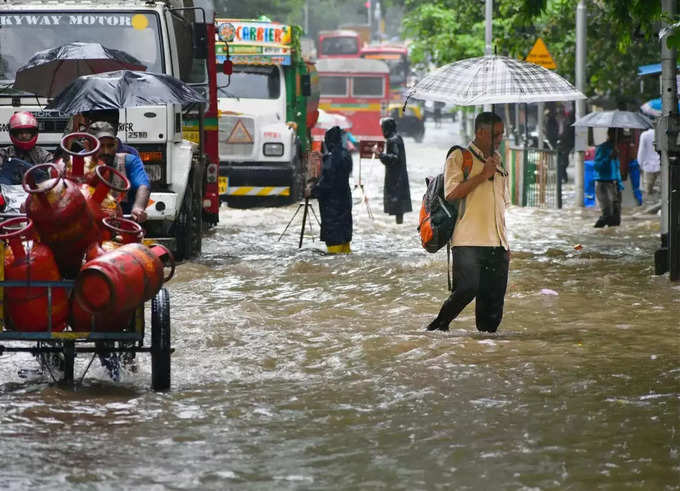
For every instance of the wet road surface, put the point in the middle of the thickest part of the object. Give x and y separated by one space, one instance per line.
294 369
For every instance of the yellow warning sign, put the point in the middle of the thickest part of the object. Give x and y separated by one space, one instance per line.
540 56
239 134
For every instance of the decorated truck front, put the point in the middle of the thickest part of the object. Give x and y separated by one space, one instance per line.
166 38
266 107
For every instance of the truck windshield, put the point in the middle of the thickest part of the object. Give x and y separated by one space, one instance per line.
251 82
340 46
23 33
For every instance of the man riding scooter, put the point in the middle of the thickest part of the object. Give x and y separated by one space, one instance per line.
23 131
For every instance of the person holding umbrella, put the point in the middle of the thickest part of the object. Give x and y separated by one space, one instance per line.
481 254
607 177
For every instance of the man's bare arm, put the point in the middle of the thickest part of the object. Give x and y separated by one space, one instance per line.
141 201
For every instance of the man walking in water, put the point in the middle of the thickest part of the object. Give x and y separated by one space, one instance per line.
481 254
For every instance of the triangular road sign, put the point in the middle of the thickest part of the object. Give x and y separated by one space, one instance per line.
540 56
239 134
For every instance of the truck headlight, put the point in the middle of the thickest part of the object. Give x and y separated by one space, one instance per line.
272 149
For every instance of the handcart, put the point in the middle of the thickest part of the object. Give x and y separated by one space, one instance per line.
56 350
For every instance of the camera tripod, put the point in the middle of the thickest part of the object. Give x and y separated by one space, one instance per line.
306 205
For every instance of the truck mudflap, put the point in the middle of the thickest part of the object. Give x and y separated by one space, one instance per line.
255 180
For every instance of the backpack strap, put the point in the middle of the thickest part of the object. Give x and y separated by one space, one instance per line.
467 158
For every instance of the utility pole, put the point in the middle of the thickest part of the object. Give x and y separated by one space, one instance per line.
667 258
580 133
306 10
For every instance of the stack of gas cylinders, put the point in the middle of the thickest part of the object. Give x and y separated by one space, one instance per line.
74 229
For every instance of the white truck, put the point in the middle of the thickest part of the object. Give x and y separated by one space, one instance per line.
169 37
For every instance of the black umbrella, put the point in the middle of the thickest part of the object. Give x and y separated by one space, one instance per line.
48 72
121 89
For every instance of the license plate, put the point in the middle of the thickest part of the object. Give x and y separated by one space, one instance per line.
223 184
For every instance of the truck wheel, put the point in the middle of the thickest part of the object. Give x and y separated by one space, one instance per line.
160 341
188 227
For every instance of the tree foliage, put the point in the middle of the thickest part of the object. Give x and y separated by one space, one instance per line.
621 34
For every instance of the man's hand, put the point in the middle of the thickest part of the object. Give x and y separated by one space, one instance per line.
490 166
138 214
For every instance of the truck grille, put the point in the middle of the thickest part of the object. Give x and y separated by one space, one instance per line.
237 136
52 124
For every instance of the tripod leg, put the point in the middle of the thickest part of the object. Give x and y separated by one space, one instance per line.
291 221
318 222
304 221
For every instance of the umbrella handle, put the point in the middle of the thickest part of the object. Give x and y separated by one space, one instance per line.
91 139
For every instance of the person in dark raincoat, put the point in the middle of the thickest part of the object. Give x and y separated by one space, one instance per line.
397 194
334 194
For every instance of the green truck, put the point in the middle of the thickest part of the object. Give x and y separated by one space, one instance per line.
268 97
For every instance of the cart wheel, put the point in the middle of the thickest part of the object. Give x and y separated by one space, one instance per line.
69 360
160 341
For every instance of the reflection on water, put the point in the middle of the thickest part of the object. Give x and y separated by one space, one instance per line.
294 369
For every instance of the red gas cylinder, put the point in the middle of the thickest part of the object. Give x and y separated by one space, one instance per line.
28 307
99 201
123 279
79 166
120 231
61 217
81 320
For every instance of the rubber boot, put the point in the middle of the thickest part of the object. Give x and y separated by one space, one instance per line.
601 222
399 219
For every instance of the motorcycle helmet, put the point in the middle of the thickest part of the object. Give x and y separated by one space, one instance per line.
23 121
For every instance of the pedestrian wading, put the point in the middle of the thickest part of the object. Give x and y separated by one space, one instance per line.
481 253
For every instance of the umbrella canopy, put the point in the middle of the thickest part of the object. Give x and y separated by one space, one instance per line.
614 119
493 79
121 89
48 72
653 108
327 120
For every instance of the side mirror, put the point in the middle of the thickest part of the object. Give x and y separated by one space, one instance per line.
306 85
200 41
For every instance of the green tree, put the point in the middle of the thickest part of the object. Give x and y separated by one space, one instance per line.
279 10
621 36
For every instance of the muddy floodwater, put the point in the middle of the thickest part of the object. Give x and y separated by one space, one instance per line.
294 369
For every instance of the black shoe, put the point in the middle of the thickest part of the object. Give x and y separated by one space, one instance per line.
601 222
614 221
435 325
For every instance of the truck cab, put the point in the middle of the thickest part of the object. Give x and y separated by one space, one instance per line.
162 35
265 110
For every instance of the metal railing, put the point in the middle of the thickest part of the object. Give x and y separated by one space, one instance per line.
534 179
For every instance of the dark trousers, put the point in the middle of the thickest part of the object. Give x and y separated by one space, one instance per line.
609 199
479 273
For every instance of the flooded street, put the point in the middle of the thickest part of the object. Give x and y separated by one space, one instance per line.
294 369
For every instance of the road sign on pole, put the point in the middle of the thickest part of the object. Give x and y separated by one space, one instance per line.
540 56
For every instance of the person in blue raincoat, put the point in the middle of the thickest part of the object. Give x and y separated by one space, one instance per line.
608 184
334 195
